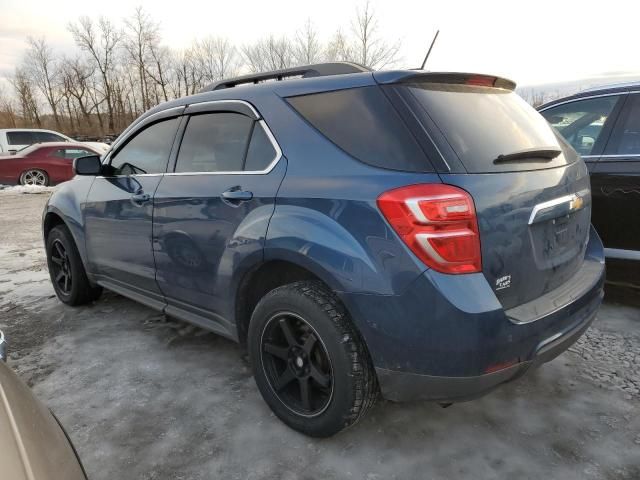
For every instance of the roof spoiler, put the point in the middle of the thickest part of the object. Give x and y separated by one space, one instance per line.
457 78
305 71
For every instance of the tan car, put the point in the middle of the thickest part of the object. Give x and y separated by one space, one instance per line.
33 446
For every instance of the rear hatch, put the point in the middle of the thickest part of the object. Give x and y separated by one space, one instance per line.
531 190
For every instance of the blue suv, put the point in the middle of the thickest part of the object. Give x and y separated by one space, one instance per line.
419 235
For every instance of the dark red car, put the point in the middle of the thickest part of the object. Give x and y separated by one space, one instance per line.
42 163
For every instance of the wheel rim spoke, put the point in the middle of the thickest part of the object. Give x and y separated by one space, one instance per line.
56 260
309 344
59 276
288 333
285 379
320 378
304 393
277 351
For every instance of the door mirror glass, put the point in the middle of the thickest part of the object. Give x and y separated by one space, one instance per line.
89 165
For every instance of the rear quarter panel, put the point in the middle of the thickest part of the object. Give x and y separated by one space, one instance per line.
326 218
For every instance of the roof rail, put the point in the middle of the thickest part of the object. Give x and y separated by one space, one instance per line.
305 71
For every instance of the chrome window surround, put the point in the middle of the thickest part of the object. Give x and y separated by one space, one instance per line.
260 121
270 167
587 98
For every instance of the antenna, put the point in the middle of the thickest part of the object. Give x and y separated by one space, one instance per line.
430 48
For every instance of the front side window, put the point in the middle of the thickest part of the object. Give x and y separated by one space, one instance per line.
626 136
581 122
21 138
148 151
214 142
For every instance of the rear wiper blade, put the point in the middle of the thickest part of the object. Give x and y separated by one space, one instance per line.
530 155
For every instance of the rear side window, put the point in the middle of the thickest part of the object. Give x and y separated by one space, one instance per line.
626 137
21 138
261 152
363 123
214 142
148 151
482 123
581 122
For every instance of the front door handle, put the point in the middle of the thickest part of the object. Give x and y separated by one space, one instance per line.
140 197
237 195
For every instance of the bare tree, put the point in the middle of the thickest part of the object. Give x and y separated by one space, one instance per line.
369 48
269 53
8 116
142 36
29 108
102 47
42 67
76 76
338 49
216 57
306 47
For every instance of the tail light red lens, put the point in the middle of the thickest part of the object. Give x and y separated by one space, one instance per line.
438 223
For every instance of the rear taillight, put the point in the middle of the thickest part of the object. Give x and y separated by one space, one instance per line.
438 223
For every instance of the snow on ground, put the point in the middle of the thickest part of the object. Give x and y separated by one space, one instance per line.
32 189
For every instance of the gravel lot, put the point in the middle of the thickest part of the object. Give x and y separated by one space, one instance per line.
143 398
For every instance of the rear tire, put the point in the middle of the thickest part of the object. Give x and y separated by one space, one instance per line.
66 270
309 362
34 176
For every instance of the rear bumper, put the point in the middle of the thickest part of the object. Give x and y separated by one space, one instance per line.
402 386
449 339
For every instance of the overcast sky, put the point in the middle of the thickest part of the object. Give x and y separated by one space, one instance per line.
531 42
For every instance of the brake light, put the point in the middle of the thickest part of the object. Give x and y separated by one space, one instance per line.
438 223
481 80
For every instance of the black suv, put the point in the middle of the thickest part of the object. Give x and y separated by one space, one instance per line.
603 125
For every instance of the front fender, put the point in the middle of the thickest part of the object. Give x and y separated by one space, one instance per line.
67 202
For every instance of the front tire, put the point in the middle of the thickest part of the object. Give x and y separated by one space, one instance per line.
34 176
310 363
66 270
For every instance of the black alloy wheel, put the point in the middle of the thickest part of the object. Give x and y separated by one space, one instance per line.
62 275
296 364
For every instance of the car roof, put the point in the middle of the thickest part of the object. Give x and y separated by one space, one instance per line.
284 86
610 89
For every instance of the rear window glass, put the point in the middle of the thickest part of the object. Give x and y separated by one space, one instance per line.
363 123
481 123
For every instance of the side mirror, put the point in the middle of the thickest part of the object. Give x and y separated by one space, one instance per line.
89 165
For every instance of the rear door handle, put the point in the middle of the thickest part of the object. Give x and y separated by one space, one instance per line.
237 195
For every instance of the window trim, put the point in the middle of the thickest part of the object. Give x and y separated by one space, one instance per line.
265 171
180 112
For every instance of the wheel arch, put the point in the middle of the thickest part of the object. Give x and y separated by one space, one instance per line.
266 276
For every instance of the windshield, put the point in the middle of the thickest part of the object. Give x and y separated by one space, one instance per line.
481 124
